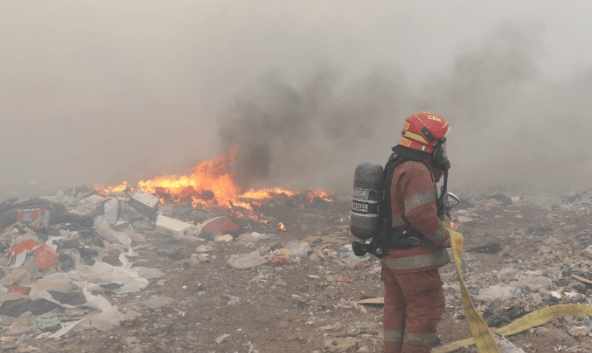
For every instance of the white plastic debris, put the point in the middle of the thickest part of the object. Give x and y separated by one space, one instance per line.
299 249
492 293
252 259
111 210
506 346
173 227
226 238
144 201
222 338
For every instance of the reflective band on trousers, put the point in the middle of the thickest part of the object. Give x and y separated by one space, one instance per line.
419 199
417 339
438 235
418 261
397 221
393 336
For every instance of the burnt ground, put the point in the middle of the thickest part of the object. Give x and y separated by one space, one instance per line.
310 304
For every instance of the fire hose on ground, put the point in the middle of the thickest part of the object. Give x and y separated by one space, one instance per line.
482 335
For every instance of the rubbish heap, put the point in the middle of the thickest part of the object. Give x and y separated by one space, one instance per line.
124 272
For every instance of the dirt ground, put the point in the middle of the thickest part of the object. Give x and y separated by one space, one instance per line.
303 306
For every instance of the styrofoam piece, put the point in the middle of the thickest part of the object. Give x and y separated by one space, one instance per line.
173 227
144 201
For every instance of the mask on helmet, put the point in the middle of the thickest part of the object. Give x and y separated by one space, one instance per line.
439 158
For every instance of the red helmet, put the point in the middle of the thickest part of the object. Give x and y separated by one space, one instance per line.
422 130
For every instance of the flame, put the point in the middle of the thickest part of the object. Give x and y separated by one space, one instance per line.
453 225
211 184
109 189
282 226
319 193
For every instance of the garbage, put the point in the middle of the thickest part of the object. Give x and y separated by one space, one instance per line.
156 302
22 246
226 238
579 331
87 206
497 291
51 324
19 290
587 251
299 249
252 259
172 252
70 298
221 225
222 338
45 257
506 346
15 308
34 218
204 248
255 237
488 248
144 202
279 260
173 227
19 277
53 286
337 345
111 210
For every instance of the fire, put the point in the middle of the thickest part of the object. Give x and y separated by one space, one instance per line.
211 184
282 226
105 191
321 194
453 225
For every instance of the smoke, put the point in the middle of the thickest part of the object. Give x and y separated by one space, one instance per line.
511 129
305 134
102 92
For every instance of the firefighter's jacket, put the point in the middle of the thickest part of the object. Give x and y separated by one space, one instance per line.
413 203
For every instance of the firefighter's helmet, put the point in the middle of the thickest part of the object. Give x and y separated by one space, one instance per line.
423 130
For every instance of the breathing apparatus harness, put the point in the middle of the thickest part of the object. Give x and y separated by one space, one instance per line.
386 237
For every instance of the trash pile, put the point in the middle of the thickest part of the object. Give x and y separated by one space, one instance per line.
60 255
125 272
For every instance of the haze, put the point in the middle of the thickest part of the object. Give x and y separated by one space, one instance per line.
101 92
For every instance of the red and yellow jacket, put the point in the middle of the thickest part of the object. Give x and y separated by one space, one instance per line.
413 203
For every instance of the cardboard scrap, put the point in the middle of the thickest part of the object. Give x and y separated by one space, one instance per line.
375 301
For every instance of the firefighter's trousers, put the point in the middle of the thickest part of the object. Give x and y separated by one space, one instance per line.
413 305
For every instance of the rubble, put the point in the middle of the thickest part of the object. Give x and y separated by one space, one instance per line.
129 277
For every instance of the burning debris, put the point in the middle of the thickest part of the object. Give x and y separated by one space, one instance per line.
212 185
159 264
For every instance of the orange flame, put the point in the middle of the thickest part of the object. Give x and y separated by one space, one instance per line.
109 189
319 193
210 185
282 226
453 225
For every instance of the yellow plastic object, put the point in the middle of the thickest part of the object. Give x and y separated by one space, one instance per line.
482 336
528 321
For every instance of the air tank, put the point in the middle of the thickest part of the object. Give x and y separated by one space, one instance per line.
367 196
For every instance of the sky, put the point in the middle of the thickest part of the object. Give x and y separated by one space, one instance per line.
102 92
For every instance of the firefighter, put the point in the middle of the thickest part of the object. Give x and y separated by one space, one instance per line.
414 299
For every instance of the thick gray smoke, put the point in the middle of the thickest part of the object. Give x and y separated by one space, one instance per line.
511 130
307 134
102 92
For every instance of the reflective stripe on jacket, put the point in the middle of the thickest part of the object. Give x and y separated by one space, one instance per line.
413 203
